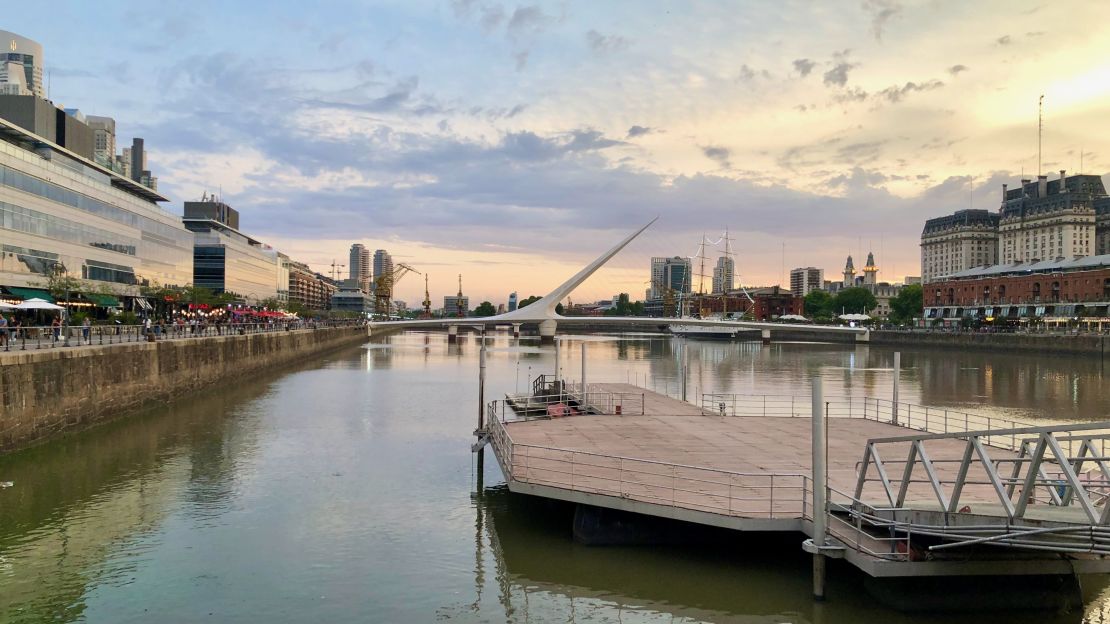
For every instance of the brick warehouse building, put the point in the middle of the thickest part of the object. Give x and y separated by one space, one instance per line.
1056 288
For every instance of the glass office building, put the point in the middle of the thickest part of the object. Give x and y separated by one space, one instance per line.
62 214
226 260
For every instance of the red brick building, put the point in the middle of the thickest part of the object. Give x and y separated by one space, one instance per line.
766 304
1079 286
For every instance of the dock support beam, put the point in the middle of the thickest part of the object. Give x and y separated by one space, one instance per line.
894 399
452 334
683 366
819 528
547 331
765 334
481 406
865 336
516 330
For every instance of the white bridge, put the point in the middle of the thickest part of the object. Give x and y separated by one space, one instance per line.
542 313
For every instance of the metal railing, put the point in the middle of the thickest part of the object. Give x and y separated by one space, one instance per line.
593 402
1046 470
734 494
909 415
25 338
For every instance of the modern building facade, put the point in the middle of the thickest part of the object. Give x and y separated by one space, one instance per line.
348 299
724 275
63 214
308 289
359 265
21 63
226 260
805 280
456 306
383 263
512 301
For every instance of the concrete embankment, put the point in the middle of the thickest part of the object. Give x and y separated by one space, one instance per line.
1045 344
44 393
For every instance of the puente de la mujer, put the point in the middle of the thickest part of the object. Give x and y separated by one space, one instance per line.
542 313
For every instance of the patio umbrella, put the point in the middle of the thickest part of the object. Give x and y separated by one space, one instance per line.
792 317
38 304
6 306
855 317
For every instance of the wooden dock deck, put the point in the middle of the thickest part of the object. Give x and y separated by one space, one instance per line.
673 459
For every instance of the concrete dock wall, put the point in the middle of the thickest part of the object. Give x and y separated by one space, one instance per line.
1085 345
44 393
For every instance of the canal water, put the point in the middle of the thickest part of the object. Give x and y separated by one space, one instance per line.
344 490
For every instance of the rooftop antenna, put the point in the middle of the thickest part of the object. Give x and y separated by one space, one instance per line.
1040 132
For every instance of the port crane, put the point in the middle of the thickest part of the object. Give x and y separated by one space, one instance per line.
383 287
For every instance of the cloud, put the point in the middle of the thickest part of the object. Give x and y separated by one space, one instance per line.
955 70
603 44
527 20
804 66
521 59
896 94
636 131
491 18
881 11
721 155
1003 40
838 75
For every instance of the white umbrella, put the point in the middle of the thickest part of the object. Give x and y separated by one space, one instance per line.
6 306
38 304
792 317
855 317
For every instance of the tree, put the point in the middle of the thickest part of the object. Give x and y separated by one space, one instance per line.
485 309
854 301
818 304
558 308
528 301
271 303
909 303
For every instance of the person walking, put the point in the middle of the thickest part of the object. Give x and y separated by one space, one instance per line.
57 325
86 329
3 331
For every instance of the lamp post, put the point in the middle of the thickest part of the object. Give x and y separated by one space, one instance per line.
65 308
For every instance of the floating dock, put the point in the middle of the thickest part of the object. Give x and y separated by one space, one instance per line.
911 491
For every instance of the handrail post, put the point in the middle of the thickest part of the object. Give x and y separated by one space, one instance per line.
819 484
897 374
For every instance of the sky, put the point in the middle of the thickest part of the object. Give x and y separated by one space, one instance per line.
513 142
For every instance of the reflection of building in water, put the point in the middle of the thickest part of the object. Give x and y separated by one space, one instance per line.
1021 386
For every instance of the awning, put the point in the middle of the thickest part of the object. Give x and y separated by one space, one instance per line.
143 303
30 293
104 301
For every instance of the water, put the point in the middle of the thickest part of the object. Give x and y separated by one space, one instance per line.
344 490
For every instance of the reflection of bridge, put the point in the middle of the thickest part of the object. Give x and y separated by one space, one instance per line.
542 313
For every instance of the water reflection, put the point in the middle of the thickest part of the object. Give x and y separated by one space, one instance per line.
343 489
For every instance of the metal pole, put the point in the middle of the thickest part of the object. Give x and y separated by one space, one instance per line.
897 375
682 366
819 484
556 340
583 371
481 404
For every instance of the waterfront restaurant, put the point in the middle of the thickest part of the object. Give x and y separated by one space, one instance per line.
1077 288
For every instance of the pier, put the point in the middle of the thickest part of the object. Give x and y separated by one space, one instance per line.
910 492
